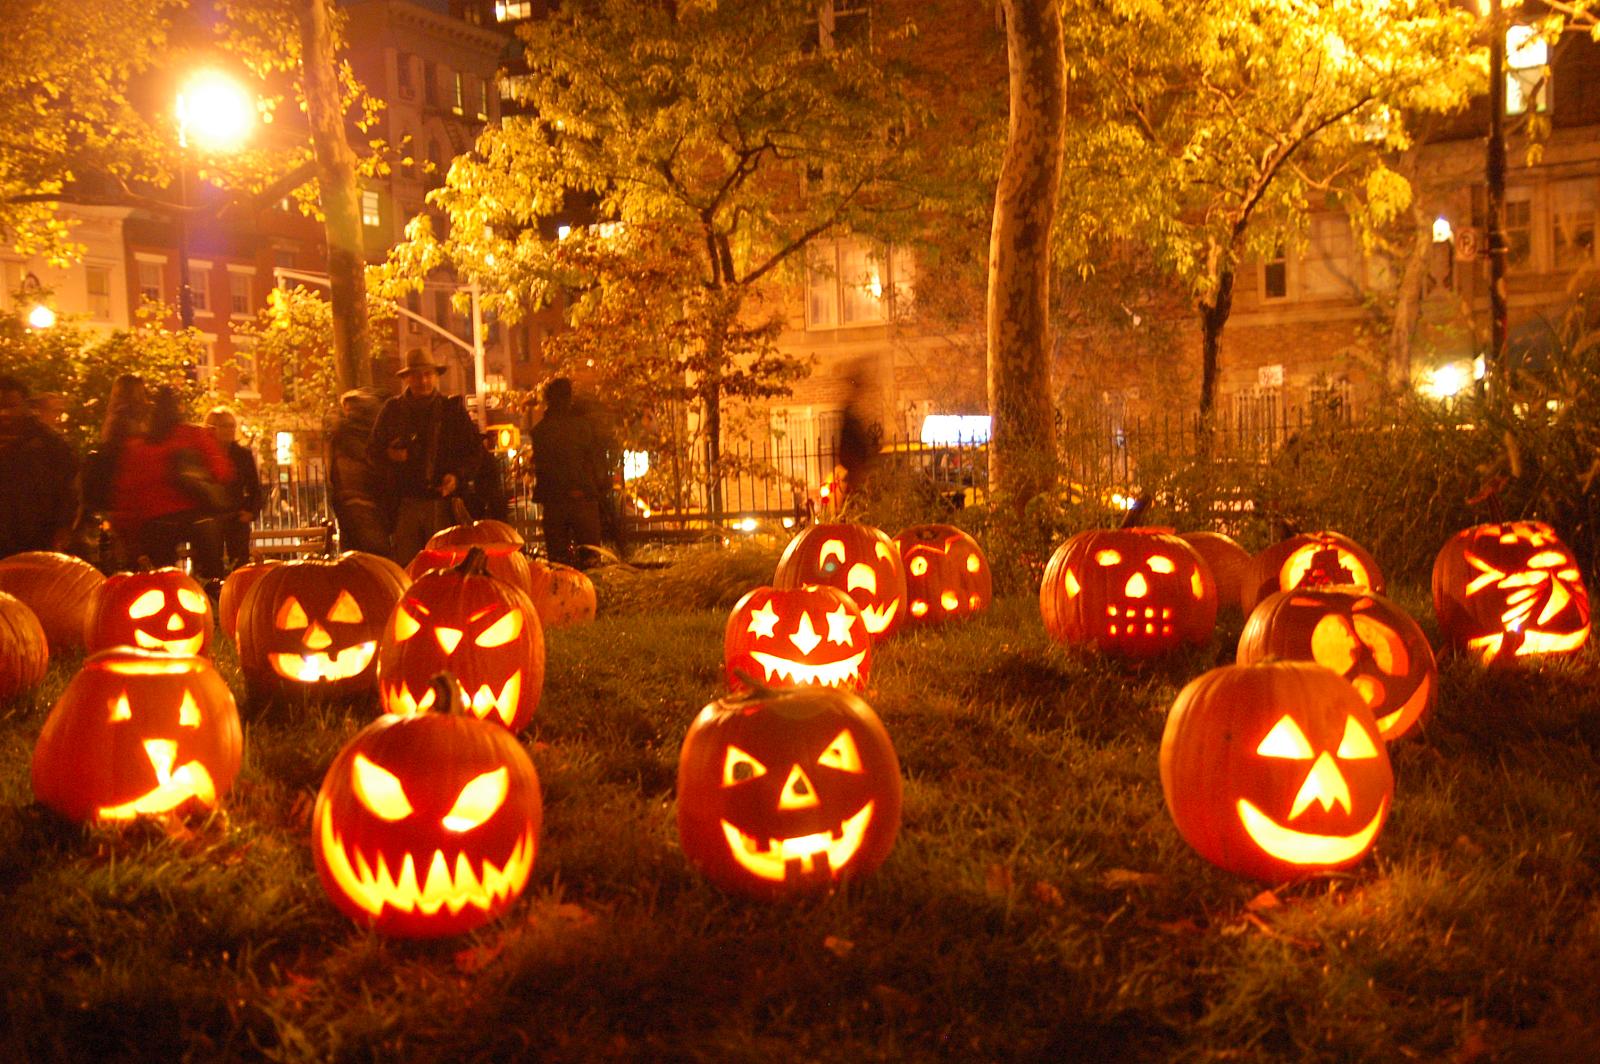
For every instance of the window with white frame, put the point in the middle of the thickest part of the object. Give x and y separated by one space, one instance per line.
483 99
855 282
200 286
515 86
244 366
240 302
1527 71
1329 258
97 286
1275 276
371 214
1572 223
458 93
150 284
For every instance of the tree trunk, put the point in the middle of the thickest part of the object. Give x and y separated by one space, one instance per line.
1213 316
1409 291
341 196
1022 449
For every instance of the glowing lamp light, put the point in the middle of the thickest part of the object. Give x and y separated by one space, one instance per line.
946 430
563 231
284 448
215 111
1447 381
1443 232
635 464
747 524
41 317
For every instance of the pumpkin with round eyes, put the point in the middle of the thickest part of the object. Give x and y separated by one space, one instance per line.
787 792
482 630
427 825
562 595
1130 591
1309 559
1362 636
1510 590
1275 770
159 609
58 588
240 581
501 543
24 651
313 625
138 733
795 637
947 574
1227 561
859 560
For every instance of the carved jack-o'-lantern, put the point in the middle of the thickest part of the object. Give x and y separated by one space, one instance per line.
161 609
947 574
427 825
1362 636
1131 591
138 733
796 637
857 559
24 651
1509 590
58 588
482 630
1275 770
314 624
1309 559
562 595
787 792
501 543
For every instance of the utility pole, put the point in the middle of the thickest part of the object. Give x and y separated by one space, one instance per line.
1497 373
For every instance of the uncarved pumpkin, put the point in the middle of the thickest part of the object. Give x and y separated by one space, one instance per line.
58 588
24 649
234 587
1227 561
562 595
501 543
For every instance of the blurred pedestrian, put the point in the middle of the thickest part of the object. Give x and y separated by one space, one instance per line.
355 487
170 483
38 494
569 469
234 522
94 535
611 527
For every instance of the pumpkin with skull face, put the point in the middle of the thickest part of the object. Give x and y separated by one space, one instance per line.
787 792
1309 559
1510 590
947 574
482 630
313 625
160 609
58 588
1136 592
1362 636
796 637
501 543
859 560
427 825
1275 770
138 733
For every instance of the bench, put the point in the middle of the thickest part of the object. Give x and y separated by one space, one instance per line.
289 542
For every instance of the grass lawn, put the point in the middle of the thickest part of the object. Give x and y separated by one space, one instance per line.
1038 904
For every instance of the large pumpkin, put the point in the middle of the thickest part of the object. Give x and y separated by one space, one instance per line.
947 574
1309 559
787 792
794 637
859 560
1130 591
1227 561
313 625
499 541
240 581
482 630
1359 634
427 825
138 733
159 609
58 588
1275 770
24 650
562 595
1510 590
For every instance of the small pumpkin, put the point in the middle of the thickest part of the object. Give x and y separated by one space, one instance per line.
947 574
501 543
1227 561
562 595
1510 590
162 609
58 588
429 824
1135 592
793 637
859 560
24 649
234 588
1309 559
138 733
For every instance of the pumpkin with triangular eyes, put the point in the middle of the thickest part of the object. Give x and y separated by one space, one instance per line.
1275 770
795 637
427 825
787 792
313 624
159 609
1309 559
138 733
1510 590
947 574
859 560
1136 592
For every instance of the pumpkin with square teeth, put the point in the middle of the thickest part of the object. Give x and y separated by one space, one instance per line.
1135 592
482 630
947 574
1510 590
859 560
795 637
427 825
159 609
1275 770
787 792
138 733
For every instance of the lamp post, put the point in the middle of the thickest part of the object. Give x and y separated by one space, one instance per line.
217 112
40 315
1497 372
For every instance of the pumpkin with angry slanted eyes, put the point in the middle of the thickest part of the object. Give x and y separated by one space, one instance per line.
1129 591
947 574
427 825
1510 590
1275 770
58 588
787 792
159 609
795 637
859 560
138 733
1309 559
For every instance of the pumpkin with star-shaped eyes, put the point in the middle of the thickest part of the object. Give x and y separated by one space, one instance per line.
947 574
427 825
313 625
58 588
160 609
1309 559
859 560
501 543
138 733
24 651
1129 591
1275 770
796 636
787 792
482 630
1359 634
1510 590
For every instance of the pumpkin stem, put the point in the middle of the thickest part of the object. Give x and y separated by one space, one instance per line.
448 695
1136 512
476 563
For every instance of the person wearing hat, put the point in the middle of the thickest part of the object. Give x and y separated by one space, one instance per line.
424 444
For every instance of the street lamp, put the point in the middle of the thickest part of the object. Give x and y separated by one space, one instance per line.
216 113
40 314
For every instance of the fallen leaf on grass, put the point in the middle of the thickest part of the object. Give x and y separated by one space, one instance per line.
1127 877
1467 846
1262 902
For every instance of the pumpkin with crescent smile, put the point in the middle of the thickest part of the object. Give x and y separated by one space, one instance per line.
859 560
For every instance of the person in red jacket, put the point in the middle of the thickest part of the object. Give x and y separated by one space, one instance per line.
169 484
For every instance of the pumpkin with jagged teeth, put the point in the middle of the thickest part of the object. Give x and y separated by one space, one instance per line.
159 609
796 636
859 560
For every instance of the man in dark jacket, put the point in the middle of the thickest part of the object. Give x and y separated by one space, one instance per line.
355 488
425 445
234 523
569 471
38 471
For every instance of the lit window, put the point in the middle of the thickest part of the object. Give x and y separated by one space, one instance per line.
851 282
1329 257
244 366
1572 218
239 300
150 286
97 281
458 93
512 10
1527 71
483 100
370 215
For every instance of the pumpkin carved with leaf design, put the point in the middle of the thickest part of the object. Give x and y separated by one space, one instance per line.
1510 590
